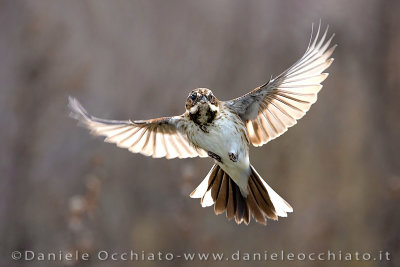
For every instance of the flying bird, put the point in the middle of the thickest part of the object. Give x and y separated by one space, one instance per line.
224 130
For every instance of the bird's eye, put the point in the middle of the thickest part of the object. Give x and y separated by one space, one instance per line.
193 96
210 97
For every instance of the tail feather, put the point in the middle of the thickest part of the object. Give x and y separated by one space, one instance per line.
262 202
231 205
280 205
261 197
221 199
215 185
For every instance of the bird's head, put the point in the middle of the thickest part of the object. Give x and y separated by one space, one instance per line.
201 99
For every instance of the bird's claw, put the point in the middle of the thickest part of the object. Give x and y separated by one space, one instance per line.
214 156
233 157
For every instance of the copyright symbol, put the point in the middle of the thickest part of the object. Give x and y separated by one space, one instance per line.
16 255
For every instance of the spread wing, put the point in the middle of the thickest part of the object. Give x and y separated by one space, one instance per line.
269 110
158 138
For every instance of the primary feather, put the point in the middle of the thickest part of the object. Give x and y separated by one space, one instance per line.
269 110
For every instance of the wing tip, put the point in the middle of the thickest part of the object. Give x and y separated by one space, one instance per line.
314 37
77 111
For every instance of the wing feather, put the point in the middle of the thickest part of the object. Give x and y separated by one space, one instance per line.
269 110
158 138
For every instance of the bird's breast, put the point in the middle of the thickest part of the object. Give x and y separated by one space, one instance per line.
225 134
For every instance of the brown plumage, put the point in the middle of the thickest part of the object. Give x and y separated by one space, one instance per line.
224 130
227 197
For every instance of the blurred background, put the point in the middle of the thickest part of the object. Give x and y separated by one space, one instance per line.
63 190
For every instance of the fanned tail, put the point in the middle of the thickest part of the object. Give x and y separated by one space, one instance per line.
262 202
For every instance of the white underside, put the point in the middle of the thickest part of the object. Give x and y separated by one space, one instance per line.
224 138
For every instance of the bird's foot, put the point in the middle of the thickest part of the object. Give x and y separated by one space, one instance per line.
233 157
214 156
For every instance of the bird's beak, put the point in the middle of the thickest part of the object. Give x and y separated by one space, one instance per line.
203 99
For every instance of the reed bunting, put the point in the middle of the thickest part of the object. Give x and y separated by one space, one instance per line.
223 130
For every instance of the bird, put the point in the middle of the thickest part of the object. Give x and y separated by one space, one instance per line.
224 131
